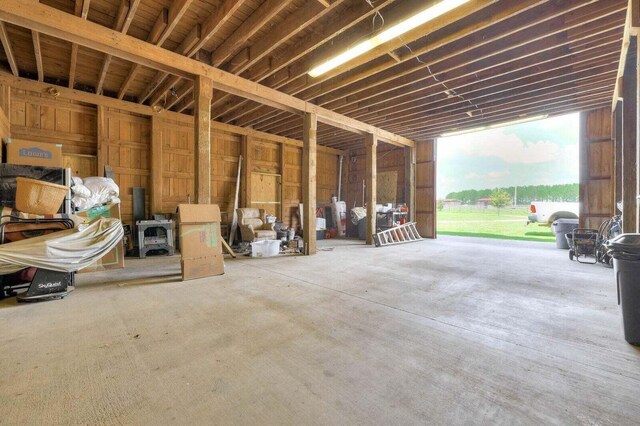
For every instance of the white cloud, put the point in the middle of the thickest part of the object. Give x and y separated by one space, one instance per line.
498 174
495 143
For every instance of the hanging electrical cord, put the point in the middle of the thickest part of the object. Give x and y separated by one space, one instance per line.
449 91
375 15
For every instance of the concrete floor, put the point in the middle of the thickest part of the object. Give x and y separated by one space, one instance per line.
452 331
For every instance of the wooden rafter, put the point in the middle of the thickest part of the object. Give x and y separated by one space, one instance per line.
484 60
268 66
210 27
124 18
154 36
37 50
252 25
57 24
82 10
8 50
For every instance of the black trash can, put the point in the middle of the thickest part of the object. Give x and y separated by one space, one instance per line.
627 274
562 227
362 229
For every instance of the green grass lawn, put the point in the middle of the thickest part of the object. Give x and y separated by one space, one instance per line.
508 223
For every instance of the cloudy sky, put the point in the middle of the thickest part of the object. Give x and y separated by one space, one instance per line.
536 153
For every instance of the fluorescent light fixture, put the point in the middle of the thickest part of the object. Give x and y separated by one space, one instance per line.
462 132
396 31
519 120
495 126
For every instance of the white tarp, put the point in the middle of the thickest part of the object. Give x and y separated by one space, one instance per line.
64 251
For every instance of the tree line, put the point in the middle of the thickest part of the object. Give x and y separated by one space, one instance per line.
526 194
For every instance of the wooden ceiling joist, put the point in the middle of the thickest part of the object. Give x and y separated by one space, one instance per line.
55 23
8 50
485 60
486 56
124 18
161 24
81 10
37 50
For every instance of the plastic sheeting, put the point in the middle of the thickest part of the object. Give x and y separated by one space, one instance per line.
64 251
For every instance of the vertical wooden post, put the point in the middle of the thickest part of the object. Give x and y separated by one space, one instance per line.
309 177
617 129
203 92
629 140
283 179
156 165
426 188
102 134
410 181
371 145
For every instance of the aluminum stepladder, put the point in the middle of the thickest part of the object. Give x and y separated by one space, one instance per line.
406 233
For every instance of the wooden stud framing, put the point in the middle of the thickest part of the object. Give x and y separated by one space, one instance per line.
309 180
203 93
371 146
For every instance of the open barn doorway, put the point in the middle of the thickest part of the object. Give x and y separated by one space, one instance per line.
490 179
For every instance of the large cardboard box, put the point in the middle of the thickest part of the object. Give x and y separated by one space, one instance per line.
115 258
33 153
200 241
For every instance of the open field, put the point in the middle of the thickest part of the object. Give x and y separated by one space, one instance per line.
508 223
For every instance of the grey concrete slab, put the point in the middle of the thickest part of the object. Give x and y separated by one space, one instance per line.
452 331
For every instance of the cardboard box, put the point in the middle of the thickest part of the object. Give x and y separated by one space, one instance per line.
200 241
33 153
115 258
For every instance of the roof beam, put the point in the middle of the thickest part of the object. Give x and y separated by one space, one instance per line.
252 25
58 24
37 50
213 23
8 50
126 12
485 59
210 27
81 10
154 35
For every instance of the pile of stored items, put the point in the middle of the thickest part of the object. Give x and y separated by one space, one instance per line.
42 244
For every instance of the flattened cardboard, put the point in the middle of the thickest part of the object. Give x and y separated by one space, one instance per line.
199 213
33 153
200 241
115 258
201 268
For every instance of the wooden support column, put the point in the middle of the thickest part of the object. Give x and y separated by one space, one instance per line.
629 140
309 178
617 129
156 165
283 179
426 188
202 111
102 153
410 181
371 145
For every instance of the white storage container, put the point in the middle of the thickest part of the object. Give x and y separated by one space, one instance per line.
265 248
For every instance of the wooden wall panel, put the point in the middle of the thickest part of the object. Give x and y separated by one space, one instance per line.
5 123
425 189
178 158
597 191
327 178
292 193
225 153
40 117
126 145
389 159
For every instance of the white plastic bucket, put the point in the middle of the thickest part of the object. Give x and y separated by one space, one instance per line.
265 248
